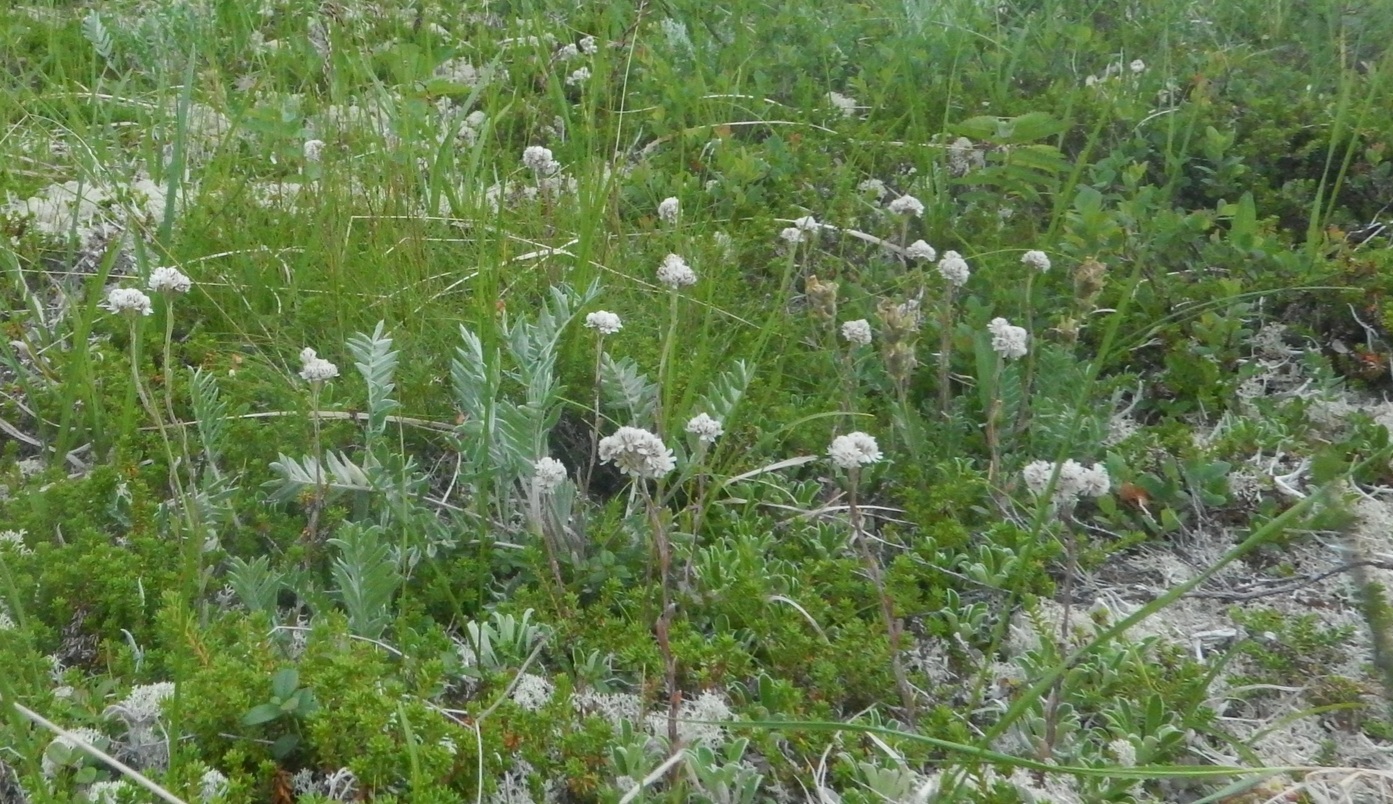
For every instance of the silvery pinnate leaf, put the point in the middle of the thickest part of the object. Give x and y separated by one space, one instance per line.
624 386
376 360
725 392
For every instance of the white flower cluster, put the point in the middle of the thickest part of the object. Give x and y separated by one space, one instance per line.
169 280
315 368
549 474
800 230
669 210
857 332
1038 260
313 150
964 157
953 268
604 322
907 205
128 300
1007 340
873 187
854 450
1075 480
705 428
919 250
539 160
637 453
579 76
469 128
675 273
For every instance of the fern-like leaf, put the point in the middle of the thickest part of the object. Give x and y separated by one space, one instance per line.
97 34
626 387
365 578
337 473
726 391
211 413
376 360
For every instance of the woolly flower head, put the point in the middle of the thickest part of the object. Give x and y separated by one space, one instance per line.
953 268
919 250
1035 259
637 453
792 234
314 368
873 187
1038 260
670 210
604 322
1007 341
128 300
854 450
705 428
169 280
908 206
313 150
549 474
1137 66
857 332
539 160
675 273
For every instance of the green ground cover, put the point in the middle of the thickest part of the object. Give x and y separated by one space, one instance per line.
731 402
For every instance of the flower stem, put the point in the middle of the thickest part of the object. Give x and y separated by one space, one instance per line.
993 414
945 349
664 363
663 628
1028 376
317 501
595 430
894 627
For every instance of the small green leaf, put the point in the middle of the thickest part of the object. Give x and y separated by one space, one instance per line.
262 713
284 744
284 682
